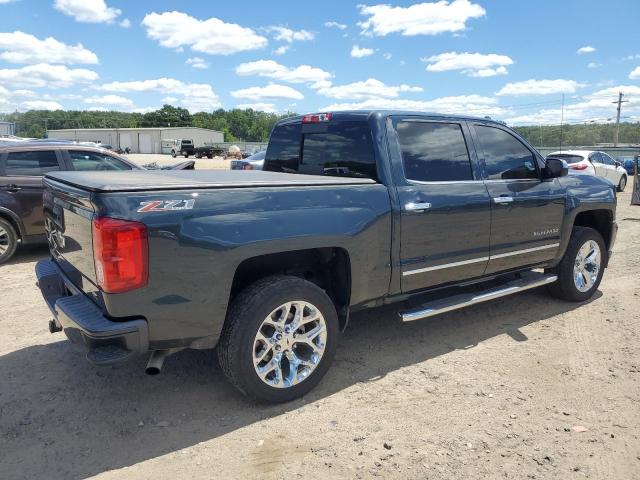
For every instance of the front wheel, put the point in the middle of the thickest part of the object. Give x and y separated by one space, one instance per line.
622 184
173 153
279 338
580 270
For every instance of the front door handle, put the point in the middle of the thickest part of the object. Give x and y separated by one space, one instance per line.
502 200
417 206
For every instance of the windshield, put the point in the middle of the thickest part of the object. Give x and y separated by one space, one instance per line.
567 158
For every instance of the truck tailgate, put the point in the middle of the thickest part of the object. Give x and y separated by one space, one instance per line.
68 216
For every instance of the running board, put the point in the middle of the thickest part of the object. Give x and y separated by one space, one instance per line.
442 305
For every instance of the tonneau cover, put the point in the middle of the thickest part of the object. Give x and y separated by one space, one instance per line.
144 180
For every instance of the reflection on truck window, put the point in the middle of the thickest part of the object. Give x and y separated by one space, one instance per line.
88 161
345 149
505 157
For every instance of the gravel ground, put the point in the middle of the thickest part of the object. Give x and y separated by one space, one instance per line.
523 387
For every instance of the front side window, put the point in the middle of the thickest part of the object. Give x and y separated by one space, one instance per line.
33 163
505 157
345 149
607 160
88 161
433 151
595 157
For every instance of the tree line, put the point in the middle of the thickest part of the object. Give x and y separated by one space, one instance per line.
255 126
246 125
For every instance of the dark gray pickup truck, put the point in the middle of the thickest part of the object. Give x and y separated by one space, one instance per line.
354 210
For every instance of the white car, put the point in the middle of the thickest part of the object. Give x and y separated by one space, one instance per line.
590 162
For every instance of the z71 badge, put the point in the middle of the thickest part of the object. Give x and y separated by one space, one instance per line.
165 205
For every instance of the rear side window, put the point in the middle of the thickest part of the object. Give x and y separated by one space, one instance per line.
37 162
505 157
88 161
341 149
433 151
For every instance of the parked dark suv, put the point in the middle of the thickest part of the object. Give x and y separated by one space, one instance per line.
22 166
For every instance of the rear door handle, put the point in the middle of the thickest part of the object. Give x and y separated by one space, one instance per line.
417 206
504 199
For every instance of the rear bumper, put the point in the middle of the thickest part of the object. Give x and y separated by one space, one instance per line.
107 342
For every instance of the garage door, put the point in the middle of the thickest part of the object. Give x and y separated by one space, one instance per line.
144 141
125 140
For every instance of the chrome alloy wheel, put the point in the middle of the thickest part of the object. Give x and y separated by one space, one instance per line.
289 344
4 241
587 266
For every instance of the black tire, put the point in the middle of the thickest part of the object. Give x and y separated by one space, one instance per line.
186 155
8 241
622 184
198 155
565 287
209 156
244 318
173 153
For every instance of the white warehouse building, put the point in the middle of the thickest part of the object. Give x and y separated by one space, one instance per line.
140 140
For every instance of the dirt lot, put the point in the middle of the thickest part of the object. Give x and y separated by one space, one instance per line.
494 391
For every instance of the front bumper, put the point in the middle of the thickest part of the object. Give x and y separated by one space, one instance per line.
107 342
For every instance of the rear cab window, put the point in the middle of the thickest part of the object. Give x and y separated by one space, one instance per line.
31 163
340 149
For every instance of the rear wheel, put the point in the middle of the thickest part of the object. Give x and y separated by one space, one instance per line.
173 153
279 338
622 184
580 270
8 240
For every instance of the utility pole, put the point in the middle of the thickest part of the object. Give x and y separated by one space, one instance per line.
46 128
619 102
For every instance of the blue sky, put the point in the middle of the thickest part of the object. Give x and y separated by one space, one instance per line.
511 60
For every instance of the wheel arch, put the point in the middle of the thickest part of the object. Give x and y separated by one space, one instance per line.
600 220
327 267
14 220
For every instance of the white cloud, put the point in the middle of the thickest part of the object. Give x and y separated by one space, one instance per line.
285 34
88 11
587 49
472 64
260 107
593 65
270 92
358 52
20 47
7 1
315 77
339 26
597 106
540 87
387 56
197 62
112 100
170 100
419 19
281 50
125 23
193 96
22 93
370 88
632 57
464 104
635 73
44 75
212 36
40 105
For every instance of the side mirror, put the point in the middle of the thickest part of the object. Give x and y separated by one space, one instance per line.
618 164
555 168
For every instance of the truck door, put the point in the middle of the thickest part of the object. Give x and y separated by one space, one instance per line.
526 211
445 208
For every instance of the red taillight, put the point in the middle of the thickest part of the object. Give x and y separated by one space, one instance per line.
578 166
120 252
316 118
